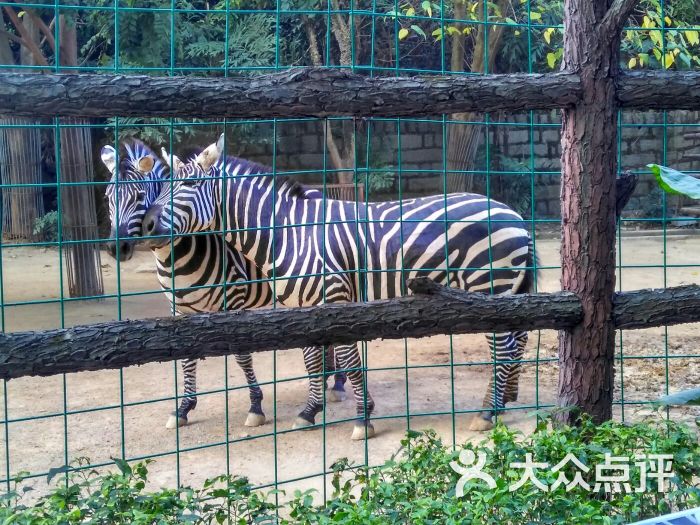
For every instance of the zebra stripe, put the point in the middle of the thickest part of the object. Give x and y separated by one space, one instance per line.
208 274
334 251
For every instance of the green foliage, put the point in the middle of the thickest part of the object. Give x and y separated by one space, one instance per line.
676 182
672 48
677 46
418 486
121 498
46 227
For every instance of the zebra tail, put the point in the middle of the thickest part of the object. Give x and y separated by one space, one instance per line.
527 285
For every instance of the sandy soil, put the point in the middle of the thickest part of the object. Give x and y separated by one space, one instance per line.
123 413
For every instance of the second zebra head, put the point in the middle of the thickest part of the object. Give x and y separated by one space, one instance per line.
136 181
189 205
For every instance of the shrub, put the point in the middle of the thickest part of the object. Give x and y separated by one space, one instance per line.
417 486
46 227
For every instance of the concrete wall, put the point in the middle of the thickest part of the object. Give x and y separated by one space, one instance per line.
515 144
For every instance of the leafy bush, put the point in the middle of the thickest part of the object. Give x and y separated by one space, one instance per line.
120 498
46 227
417 486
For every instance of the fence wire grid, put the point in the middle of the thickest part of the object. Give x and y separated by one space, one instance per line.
54 272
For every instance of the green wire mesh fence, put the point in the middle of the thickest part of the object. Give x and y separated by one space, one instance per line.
53 273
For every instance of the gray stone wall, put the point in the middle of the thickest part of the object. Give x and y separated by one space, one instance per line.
413 151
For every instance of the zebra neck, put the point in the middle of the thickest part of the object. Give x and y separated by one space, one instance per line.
254 205
162 254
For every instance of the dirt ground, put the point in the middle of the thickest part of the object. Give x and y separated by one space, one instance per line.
113 413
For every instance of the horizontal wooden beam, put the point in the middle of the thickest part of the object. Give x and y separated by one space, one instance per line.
293 93
645 90
432 310
312 92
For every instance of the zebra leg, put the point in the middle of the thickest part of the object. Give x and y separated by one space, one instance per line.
337 393
256 417
349 359
313 357
503 348
511 393
189 400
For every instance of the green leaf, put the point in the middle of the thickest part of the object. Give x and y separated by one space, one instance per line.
551 60
418 30
675 182
693 37
427 7
548 34
403 33
123 466
686 397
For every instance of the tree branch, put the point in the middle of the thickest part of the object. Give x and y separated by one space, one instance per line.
46 30
614 19
26 38
314 49
12 37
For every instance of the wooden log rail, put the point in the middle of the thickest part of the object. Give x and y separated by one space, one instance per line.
317 92
432 310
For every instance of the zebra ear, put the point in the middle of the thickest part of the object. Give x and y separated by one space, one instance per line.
211 155
145 164
176 160
109 158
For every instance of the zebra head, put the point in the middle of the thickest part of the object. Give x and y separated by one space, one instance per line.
188 205
135 184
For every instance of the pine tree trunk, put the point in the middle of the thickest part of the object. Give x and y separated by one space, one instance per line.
20 156
78 211
464 139
20 164
589 166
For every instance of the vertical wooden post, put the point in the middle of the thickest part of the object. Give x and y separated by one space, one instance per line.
83 267
589 166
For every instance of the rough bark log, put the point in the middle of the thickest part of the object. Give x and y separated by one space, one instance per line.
647 308
324 92
436 310
588 209
298 92
118 344
83 266
647 90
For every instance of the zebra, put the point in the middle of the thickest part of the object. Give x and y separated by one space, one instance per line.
202 266
334 251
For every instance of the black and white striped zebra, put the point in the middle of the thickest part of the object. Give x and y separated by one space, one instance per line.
335 251
197 273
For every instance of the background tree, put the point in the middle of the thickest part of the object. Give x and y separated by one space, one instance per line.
31 42
20 144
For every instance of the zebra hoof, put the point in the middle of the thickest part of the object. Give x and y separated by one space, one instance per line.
336 396
254 420
176 421
362 431
300 422
479 424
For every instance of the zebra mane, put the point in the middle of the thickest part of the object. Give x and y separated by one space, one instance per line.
295 188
